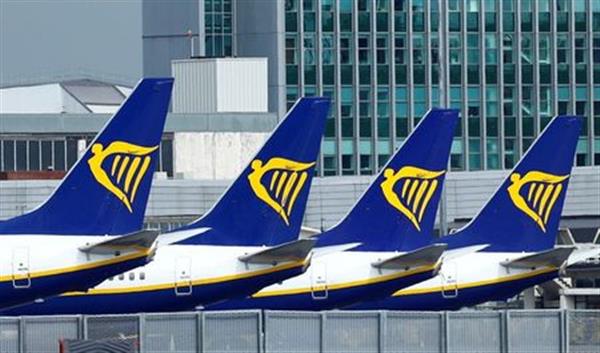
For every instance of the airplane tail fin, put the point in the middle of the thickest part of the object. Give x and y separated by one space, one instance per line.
265 204
106 191
397 211
524 213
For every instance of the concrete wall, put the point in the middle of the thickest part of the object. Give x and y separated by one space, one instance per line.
214 155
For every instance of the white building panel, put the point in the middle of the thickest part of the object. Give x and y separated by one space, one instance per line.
32 99
242 85
194 89
220 85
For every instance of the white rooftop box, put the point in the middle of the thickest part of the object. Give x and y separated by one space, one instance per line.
220 85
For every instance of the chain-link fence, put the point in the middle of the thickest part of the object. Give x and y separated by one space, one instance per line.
575 331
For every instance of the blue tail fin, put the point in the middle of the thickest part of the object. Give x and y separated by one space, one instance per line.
397 211
265 205
524 213
106 191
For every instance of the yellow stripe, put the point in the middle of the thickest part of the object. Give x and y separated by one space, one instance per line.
420 193
405 187
87 266
299 185
531 190
131 172
430 192
205 281
347 284
551 204
538 193
288 187
545 198
122 169
413 188
273 179
139 177
114 165
284 176
409 291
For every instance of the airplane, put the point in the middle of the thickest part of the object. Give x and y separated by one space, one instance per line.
89 227
246 241
363 256
519 224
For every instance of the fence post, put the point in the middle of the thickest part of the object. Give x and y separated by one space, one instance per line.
564 332
85 327
261 333
21 335
503 347
322 331
202 333
141 321
199 330
507 331
382 330
445 332
80 327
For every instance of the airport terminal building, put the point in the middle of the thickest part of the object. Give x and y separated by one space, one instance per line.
509 67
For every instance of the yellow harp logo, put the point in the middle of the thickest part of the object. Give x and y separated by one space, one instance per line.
542 191
129 165
418 186
287 178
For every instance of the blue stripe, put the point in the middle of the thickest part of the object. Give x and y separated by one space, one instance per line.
466 297
164 300
42 287
335 298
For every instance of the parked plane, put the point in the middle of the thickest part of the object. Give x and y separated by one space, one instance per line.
247 241
520 224
377 261
72 241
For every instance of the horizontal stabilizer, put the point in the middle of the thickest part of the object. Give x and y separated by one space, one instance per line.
583 253
141 240
553 257
325 250
428 255
292 251
456 253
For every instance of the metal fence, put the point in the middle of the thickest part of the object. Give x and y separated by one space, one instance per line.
575 331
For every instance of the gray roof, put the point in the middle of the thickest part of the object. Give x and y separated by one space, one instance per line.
92 123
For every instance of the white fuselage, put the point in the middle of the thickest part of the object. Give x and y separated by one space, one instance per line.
35 266
474 269
188 264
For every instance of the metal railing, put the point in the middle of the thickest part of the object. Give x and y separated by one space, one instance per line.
517 331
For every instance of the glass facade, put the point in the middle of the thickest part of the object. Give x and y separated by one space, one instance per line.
510 65
218 26
35 153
